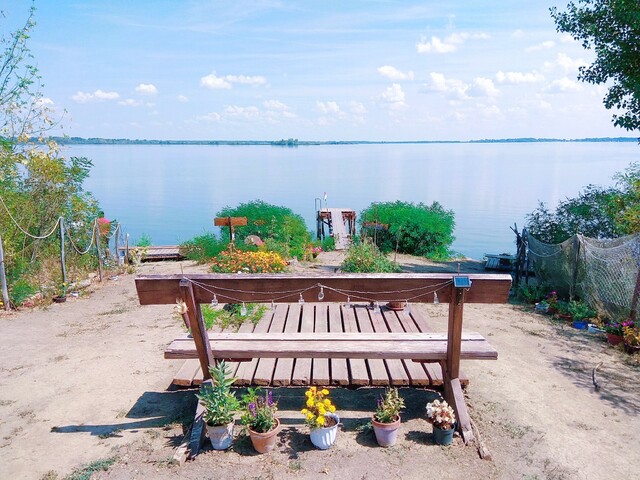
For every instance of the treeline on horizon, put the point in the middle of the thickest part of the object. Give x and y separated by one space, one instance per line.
295 142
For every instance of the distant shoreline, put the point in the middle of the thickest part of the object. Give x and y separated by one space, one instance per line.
302 143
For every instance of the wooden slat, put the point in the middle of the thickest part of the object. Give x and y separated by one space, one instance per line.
377 369
284 369
320 349
302 368
320 373
357 366
245 371
164 289
338 336
339 369
417 375
187 373
266 366
397 374
434 370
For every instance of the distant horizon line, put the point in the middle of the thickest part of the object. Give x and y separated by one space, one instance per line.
291 142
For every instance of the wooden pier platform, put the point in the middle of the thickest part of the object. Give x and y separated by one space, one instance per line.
156 252
325 318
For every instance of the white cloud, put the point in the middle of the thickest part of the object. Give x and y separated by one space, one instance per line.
130 102
565 63
244 80
209 117
395 74
453 88
434 46
394 97
328 107
244 113
515 78
213 81
275 109
44 101
542 46
483 87
83 97
562 85
183 98
449 44
147 89
357 108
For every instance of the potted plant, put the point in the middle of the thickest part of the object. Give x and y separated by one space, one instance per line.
614 332
220 404
542 306
631 338
580 311
443 419
259 416
320 417
386 420
562 310
62 297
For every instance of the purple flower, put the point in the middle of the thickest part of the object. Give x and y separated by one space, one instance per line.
252 409
269 398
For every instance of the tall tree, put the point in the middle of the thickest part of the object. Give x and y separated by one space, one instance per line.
612 29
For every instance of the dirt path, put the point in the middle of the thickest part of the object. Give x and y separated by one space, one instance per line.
85 381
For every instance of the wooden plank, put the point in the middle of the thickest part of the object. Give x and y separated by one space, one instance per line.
377 369
320 374
197 430
284 369
454 332
302 368
397 374
434 370
339 368
321 349
198 330
164 289
460 407
357 366
266 366
230 221
187 372
245 371
415 371
337 336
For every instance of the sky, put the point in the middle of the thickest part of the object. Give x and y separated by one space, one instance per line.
312 70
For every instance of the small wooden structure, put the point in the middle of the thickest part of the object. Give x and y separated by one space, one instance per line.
502 262
340 224
312 346
154 253
230 222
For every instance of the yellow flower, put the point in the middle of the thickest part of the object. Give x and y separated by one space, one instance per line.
327 402
310 416
321 410
304 411
325 391
320 421
310 403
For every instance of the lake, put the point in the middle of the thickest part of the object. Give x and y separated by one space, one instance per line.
172 192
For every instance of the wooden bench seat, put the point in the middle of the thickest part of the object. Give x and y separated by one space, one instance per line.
411 346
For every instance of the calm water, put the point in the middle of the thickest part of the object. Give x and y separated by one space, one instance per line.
172 193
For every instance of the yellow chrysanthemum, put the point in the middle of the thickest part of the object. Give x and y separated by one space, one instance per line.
327 402
325 391
304 411
332 409
321 410
310 416
320 421
310 403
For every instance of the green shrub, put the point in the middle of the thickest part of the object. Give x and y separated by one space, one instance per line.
144 241
365 257
531 293
416 229
270 222
203 247
328 244
20 291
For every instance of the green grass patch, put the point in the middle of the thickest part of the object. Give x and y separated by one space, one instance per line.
86 471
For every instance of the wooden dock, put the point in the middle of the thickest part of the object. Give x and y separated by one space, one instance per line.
156 253
322 318
340 223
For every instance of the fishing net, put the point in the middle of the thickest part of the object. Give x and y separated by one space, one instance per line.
602 273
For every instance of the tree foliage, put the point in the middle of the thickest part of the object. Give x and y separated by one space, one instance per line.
417 229
597 212
612 29
282 229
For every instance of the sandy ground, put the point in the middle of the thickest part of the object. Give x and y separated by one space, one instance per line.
86 381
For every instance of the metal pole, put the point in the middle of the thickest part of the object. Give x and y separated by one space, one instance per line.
3 279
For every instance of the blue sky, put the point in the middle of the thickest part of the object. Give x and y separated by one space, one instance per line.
312 70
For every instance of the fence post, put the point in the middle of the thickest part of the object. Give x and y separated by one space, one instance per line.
3 279
62 259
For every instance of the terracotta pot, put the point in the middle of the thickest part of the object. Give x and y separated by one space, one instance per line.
614 339
265 442
386 433
396 305
59 299
566 317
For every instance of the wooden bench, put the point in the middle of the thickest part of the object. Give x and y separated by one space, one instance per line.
372 341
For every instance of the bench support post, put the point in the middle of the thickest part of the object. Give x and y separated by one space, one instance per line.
451 369
198 329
